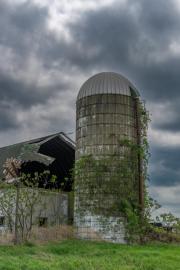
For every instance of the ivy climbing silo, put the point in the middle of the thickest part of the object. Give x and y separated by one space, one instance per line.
108 172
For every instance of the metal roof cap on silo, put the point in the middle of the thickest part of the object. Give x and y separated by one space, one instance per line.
107 83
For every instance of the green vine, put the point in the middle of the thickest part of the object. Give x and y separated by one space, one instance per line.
137 219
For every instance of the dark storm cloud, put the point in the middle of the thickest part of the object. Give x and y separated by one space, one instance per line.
110 38
172 125
165 162
29 18
159 17
8 119
16 24
23 32
21 26
110 31
132 42
170 117
23 94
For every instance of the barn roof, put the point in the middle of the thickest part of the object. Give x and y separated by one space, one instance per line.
47 150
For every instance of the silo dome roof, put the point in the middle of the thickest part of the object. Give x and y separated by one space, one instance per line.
107 83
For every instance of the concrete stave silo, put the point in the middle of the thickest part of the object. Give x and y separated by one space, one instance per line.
106 115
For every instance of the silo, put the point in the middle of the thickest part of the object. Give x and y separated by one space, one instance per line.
106 121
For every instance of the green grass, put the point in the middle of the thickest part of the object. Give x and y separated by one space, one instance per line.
83 255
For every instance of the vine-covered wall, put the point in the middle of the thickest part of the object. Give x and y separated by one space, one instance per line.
107 164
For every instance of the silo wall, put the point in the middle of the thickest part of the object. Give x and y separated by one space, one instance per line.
102 122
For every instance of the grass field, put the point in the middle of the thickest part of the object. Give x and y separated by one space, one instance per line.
83 255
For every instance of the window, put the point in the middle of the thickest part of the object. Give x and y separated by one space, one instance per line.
42 221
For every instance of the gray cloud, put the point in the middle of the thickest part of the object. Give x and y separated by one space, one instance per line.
24 94
21 26
112 37
135 43
165 170
173 125
8 119
23 34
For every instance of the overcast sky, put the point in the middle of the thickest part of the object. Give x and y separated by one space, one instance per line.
48 48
